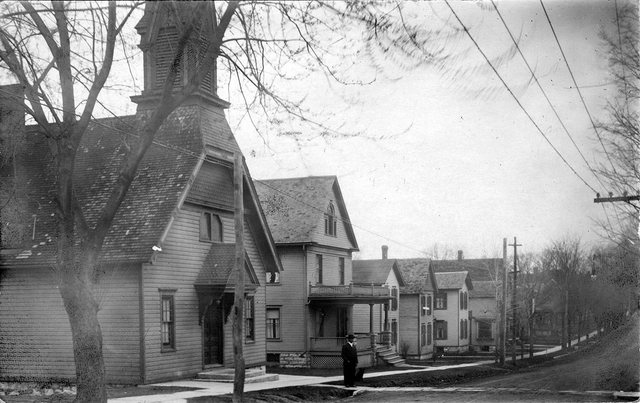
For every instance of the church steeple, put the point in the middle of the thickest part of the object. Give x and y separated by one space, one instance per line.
159 31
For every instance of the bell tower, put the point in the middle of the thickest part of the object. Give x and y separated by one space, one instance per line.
160 29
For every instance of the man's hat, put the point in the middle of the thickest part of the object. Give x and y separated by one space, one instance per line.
351 337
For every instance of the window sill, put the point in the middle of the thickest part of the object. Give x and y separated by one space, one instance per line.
168 350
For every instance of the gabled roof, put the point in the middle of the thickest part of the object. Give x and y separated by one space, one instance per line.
219 267
145 211
162 181
454 280
418 278
483 289
479 269
294 207
375 271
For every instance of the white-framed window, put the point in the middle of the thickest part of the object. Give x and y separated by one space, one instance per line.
273 323
394 298
210 227
167 321
273 277
249 318
319 273
441 300
441 329
330 222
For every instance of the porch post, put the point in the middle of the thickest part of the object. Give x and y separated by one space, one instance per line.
370 319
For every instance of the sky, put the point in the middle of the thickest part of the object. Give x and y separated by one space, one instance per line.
455 160
461 170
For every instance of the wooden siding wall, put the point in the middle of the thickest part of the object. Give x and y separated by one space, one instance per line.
484 308
177 268
361 312
290 296
453 314
410 321
330 265
35 336
340 240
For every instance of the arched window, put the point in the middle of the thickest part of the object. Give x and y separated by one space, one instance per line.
330 220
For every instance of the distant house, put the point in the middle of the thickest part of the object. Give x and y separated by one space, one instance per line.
417 298
381 319
451 311
483 298
310 307
166 281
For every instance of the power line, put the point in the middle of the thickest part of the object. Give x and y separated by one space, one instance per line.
514 97
576 85
340 218
187 152
543 92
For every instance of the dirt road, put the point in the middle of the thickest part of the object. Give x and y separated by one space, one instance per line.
589 375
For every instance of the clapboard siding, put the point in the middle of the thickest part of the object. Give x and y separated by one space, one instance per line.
175 270
410 322
289 295
340 240
35 336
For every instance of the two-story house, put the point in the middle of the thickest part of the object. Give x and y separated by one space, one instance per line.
451 311
484 298
310 305
416 308
379 319
166 282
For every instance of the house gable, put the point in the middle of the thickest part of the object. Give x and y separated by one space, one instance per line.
296 208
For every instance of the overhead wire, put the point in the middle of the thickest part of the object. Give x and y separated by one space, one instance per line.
575 83
535 78
516 98
184 151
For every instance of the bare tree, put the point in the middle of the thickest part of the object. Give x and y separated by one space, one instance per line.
619 134
62 54
566 259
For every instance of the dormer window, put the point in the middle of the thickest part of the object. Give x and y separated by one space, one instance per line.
330 220
210 227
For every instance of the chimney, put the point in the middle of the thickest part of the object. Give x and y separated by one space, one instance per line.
385 248
460 255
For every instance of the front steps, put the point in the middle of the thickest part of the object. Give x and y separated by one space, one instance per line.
221 374
390 357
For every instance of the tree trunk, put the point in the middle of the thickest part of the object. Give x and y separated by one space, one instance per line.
80 304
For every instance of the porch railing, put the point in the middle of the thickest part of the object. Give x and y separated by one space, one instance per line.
336 343
348 290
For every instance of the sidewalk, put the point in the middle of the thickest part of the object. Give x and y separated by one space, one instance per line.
206 388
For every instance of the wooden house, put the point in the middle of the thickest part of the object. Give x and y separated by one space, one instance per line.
379 319
484 298
417 297
310 306
166 281
451 311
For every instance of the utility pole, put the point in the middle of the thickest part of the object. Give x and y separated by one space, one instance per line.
515 302
503 310
611 198
238 303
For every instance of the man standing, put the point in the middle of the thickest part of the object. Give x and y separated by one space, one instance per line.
349 361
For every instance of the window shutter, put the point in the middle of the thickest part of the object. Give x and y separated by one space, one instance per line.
429 305
444 300
445 326
394 299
